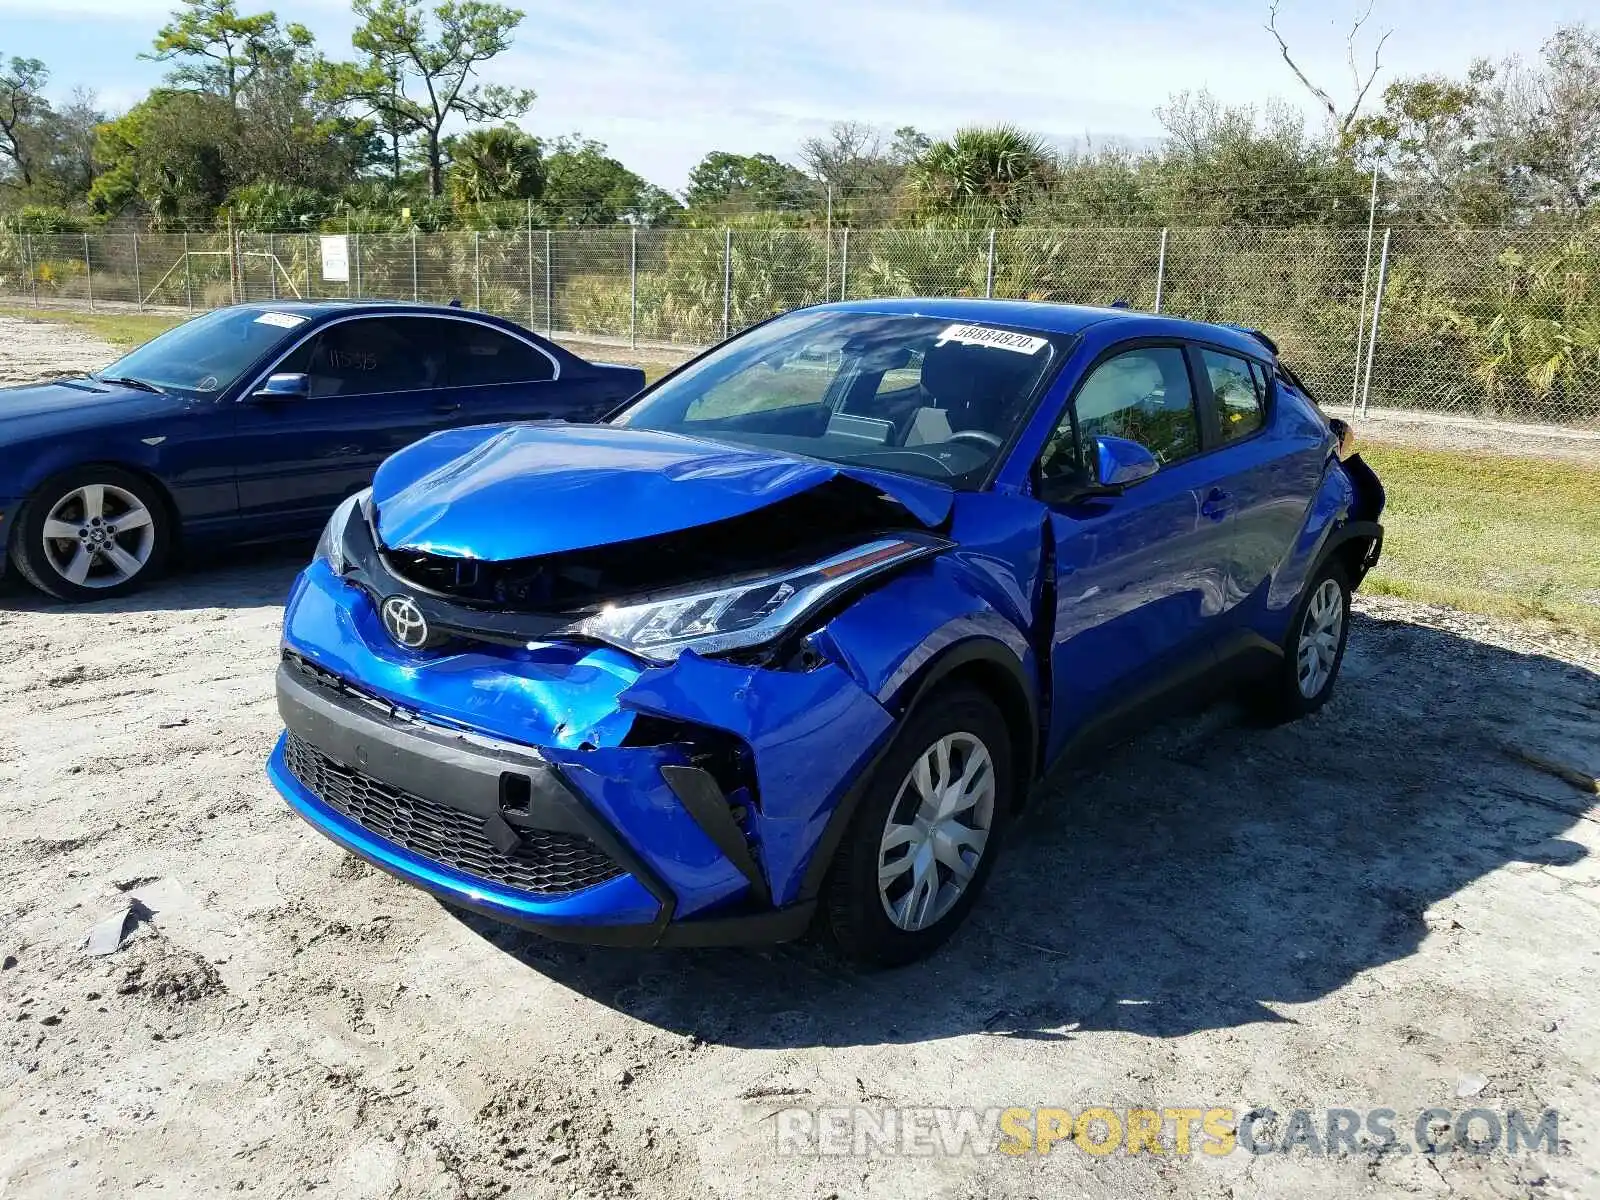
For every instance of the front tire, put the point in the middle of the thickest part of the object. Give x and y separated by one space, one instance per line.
925 834
91 533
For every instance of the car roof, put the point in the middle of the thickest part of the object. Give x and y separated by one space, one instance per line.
315 308
1043 317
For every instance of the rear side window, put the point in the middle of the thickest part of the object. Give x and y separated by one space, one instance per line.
1143 395
1239 393
483 357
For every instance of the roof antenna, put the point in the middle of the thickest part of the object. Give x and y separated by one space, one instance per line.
1120 303
456 303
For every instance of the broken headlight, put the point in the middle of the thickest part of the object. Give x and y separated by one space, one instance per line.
744 614
330 546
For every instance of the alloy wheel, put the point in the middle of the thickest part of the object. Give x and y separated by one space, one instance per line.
936 831
98 536
1319 638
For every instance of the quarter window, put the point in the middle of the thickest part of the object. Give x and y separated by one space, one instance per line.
484 357
1239 394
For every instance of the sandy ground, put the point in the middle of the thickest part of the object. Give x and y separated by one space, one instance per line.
1384 906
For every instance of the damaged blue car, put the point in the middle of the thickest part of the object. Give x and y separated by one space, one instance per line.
788 640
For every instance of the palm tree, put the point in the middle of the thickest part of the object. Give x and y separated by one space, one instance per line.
985 173
501 163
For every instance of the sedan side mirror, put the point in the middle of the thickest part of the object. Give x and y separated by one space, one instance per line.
1120 462
284 387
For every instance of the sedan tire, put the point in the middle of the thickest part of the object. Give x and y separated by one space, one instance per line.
91 533
925 834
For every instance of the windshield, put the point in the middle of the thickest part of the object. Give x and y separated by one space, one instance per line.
923 396
208 354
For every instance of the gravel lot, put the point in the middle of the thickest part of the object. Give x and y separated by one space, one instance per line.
1386 905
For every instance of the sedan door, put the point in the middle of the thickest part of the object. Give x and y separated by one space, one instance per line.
1139 576
372 384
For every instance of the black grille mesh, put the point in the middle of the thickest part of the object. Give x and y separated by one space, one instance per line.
547 863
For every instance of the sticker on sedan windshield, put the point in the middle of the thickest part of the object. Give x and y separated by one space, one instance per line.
1000 339
281 320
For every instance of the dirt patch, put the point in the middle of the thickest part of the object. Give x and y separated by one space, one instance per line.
1386 905
35 350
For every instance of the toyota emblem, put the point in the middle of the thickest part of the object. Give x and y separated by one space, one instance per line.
405 622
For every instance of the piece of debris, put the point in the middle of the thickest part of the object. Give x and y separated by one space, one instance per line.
1584 781
178 724
10 961
1471 1085
107 937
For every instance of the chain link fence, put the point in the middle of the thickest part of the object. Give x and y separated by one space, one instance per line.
1490 323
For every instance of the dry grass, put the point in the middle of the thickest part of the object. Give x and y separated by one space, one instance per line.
123 330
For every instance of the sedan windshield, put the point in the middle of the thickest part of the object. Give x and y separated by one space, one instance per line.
208 354
919 395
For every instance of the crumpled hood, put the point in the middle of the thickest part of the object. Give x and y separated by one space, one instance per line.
507 492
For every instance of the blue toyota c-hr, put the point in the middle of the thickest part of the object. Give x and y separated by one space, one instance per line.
788 639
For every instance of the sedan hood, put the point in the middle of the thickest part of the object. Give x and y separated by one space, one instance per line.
520 491
69 404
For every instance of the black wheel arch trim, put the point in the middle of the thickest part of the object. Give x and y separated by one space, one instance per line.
984 650
1370 532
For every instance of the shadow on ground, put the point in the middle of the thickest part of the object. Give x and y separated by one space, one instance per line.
1200 875
242 578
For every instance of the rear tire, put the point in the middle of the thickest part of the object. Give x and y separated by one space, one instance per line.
925 833
1313 649
91 533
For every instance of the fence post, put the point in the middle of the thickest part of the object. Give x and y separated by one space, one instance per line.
138 287
633 290
233 265
988 287
530 264
477 269
188 276
88 272
1366 275
272 262
844 264
727 280
33 282
1377 311
1161 267
549 290
309 289
356 250
415 294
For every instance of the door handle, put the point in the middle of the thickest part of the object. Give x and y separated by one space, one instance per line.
1217 504
447 406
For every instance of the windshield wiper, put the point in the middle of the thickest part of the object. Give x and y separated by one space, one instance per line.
128 381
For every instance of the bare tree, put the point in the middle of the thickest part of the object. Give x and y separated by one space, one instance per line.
1360 79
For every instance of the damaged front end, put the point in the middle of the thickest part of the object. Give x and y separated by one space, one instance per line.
637 742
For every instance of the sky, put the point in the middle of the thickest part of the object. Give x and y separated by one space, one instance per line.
664 83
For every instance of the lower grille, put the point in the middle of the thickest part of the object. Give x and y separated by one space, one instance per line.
546 863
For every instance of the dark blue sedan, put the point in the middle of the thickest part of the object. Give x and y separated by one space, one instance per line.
250 424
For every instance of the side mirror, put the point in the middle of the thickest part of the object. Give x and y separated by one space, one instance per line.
285 387
1118 462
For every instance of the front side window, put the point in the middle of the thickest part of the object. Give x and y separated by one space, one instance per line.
921 395
1143 395
370 356
484 357
208 354
1239 393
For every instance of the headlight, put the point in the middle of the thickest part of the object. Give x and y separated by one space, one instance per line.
744 614
330 546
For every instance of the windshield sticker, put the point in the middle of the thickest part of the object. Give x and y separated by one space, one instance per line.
1000 339
281 320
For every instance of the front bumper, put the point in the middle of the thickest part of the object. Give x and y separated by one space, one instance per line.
514 749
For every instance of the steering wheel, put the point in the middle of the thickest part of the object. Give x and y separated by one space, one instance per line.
982 436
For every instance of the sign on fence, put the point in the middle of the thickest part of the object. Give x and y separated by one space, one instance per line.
336 259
